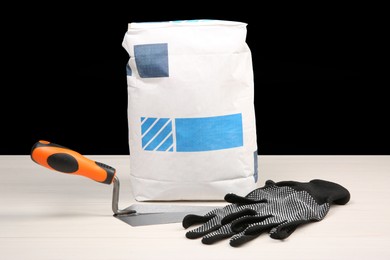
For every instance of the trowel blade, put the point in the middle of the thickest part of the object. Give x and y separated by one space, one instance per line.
156 218
160 208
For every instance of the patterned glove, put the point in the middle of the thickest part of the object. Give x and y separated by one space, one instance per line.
278 208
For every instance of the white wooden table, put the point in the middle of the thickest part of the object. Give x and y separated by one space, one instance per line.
49 215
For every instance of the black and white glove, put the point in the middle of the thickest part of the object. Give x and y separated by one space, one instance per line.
278 208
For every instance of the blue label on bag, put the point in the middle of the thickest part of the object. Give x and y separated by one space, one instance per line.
255 166
152 60
192 134
157 134
129 72
208 133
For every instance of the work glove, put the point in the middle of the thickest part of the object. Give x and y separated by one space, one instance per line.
278 208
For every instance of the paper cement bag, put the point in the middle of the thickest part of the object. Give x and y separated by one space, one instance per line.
192 129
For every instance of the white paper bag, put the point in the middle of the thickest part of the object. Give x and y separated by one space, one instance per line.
192 129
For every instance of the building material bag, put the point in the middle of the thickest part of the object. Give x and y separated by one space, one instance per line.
191 117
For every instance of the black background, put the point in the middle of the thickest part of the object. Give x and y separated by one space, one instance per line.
317 91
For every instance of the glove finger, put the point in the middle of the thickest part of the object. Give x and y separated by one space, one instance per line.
213 224
263 226
255 196
242 238
242 223
254 230
236 215
235 199
191 219
218 214
221 233
286 229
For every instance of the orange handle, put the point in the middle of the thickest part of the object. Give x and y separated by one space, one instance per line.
62 159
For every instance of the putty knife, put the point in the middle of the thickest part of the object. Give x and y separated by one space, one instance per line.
65 160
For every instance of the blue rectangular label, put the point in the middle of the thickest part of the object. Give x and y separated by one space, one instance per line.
208 133
152 60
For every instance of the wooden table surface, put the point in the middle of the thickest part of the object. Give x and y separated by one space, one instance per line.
49 215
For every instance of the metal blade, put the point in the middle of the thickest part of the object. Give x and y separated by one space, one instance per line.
154 214
156 218
160 208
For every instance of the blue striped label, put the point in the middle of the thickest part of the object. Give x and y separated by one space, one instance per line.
157 134
192 134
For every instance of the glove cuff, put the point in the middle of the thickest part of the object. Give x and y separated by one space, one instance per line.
321 190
